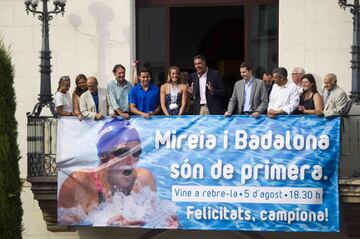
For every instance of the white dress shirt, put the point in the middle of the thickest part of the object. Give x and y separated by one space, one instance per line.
202 85
300 89
284 97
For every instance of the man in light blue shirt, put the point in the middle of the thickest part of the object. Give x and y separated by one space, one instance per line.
247 94
118 91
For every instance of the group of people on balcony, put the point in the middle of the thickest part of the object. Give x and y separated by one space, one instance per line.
200 93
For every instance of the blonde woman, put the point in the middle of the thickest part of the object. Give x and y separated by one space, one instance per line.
173 94
63 103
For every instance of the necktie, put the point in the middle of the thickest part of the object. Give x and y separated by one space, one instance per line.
326 98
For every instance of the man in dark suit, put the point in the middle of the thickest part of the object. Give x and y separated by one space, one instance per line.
249 94
267 78
208 88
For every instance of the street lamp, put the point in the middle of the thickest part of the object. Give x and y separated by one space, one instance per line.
41 135
45 96
355 52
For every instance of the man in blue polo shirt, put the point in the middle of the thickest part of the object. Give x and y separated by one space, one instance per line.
144 98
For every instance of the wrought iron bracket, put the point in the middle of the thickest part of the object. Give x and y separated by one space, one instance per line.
40 105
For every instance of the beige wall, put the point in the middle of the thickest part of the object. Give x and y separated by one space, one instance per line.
94 35
317 35
90 38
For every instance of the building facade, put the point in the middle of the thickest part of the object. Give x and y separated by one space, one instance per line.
92 36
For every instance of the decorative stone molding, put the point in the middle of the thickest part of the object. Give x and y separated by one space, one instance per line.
44 189
349 190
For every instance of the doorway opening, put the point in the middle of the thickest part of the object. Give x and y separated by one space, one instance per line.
215 32
225 32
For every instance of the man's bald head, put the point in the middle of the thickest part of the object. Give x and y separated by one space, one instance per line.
330 80
92 84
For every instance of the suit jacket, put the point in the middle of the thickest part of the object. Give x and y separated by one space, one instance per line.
88 107
215 101
337 100
259 96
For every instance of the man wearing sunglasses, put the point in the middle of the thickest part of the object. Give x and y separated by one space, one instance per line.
119 149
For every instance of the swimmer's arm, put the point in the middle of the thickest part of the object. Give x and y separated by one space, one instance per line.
67 200
67 197
74 194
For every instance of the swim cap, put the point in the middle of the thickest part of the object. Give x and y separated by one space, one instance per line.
115 133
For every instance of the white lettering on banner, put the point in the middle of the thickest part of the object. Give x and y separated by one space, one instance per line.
187 170
279 171
265 171
296 215
298 142
243 140
172 141
240 214
220 213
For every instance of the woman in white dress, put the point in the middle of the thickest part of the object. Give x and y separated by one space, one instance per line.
63 103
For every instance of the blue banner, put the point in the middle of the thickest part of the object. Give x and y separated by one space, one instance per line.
200 172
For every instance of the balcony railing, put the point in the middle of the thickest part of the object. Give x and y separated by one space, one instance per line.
41 146
42 170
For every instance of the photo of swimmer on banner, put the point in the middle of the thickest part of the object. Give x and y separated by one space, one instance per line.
116 192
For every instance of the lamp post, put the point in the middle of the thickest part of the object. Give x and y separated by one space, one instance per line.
355 52
42 171
45 96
